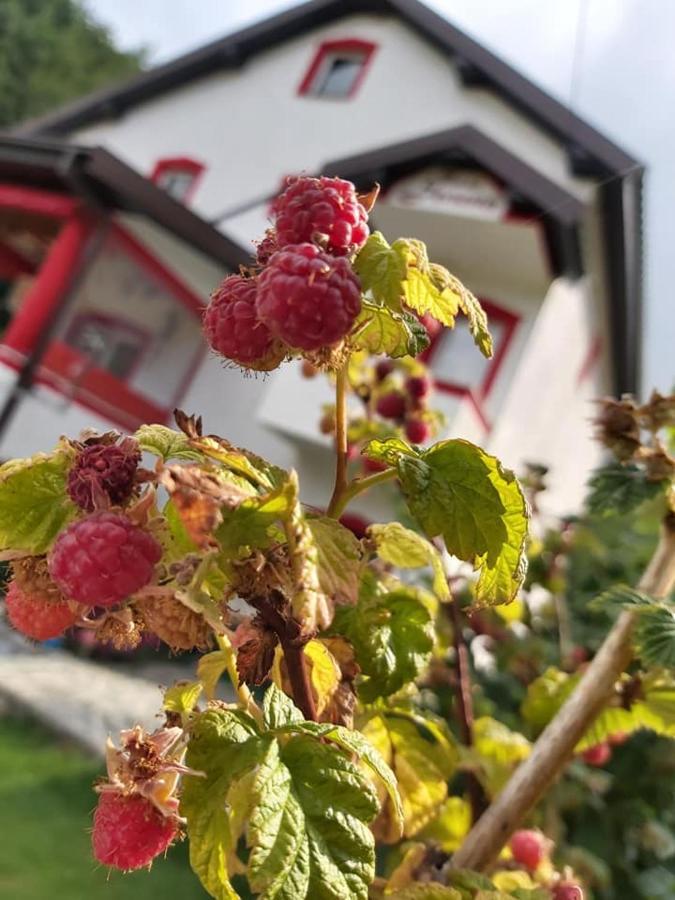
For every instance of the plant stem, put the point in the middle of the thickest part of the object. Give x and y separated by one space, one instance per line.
556 744
340 437
356 487
245 697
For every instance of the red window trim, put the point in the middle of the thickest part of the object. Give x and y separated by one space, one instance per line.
47 203
346 45
180 164
477 397
13 263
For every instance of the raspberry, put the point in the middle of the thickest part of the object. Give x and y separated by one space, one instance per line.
179 627
103 470
31 574
129 831
307 298
383 368
528 848
233 329
355 523
566 890
103 559
324 210
597 755
391 406
417 431
618 738
371 466
433 326
418 386
266 247
36 616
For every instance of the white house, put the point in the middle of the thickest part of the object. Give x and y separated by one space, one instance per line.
538 213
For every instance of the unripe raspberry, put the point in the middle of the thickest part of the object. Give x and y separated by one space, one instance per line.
598 755
383 368
566 890
307 298
417 431
102 471
129 831
327 423
308 370
323 210
31 574
371 466
37 616
391 406
528 847
418 386
103 559
179 627
233 329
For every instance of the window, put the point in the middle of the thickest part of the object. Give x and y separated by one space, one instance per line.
337 69
178 176
110 344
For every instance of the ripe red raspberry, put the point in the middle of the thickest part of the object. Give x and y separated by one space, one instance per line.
598 755
355 523
566 890
323 210
233 329
528 848
103 559
418 386
417 431
266 247
383 368
104 470
391 406
307 298
37 616
129 831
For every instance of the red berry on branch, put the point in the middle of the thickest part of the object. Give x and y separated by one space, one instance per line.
323 210
233 329
433 326
266 247
528 848
129 831
566 890
598 755
418 386
38 617
391 406
383 368
371 466
417 431
307 298
355 523
103 559
104 470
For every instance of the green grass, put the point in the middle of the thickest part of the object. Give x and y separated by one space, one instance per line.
46 803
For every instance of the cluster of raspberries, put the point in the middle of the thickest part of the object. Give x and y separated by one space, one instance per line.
304 295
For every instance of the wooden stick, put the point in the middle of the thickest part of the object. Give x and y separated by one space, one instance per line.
556 744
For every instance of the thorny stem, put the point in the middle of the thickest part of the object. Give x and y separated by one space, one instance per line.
556 744
340 437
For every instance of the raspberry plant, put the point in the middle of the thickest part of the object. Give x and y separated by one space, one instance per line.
330 747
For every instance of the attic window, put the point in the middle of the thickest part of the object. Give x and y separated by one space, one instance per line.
177 176
337 70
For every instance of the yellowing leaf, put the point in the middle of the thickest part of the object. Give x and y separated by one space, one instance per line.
166 443
406 549
338 559
380 329
497 750
183 696
511 881
381 270
210 669
451 825
324 673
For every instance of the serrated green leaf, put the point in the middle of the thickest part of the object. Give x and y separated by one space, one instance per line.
392 635
654 636
251 524
339 558
467 881
468 304
406 549
166 443
619 489
458 491
278 709
381 270
241 463
422 757
183 696
34 505
388 451
380 329
621 595
498 750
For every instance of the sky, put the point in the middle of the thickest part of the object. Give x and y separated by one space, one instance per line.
610 60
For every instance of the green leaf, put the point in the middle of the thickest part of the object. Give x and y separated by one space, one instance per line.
621 595
655 636
388 451
458 491
34 505
279 709
467 881
380 329
618 488
183 696
406 549
166 443
423 757
303 805
339 558
498 750
241 463
381 270
392 635
428 891
468 304
451 825
251 524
